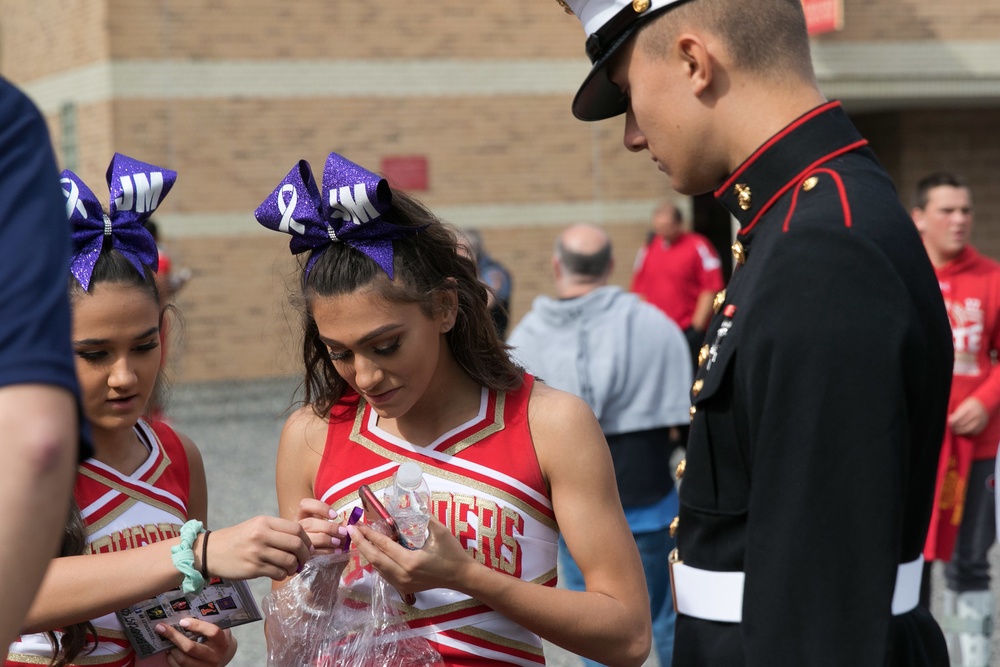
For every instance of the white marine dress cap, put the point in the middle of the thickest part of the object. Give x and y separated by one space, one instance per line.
608 24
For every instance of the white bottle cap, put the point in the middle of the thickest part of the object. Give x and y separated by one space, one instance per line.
409 475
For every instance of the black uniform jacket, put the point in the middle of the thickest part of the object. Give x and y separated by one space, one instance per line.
819 407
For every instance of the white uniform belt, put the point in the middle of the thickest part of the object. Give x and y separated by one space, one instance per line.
718 596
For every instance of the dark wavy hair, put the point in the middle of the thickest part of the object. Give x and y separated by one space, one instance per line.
424 263
74 637
114 267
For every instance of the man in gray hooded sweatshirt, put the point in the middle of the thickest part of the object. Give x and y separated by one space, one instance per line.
631 364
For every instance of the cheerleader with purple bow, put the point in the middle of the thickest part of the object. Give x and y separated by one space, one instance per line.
137 528
403 363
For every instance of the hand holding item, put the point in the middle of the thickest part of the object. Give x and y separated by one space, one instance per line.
325 528
263 546
441 563
215 647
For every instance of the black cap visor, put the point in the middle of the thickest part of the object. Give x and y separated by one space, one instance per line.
598 98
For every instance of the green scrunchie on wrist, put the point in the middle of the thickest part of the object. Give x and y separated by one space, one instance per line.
183 557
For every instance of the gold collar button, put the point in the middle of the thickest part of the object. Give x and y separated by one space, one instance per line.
739 253
720 298
744 197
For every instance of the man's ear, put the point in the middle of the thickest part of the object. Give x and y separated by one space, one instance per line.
917 214
694 52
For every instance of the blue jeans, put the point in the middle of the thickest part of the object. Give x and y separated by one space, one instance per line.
654 549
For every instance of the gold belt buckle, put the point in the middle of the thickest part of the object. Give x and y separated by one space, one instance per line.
674 559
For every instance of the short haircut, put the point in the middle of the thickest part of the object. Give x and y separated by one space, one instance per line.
593 266
936 180
766 37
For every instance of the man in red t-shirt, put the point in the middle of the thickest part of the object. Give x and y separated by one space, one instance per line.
963 526
679 272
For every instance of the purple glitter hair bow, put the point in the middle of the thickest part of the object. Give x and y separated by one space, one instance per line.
136 189
348 210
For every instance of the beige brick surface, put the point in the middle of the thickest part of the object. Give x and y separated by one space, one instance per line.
482 149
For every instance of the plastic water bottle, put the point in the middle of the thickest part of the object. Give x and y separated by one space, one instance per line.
409 504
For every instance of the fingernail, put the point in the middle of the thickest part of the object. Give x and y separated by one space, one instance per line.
352 531
334 514
184 622
312 549
335 541
160 628
342 530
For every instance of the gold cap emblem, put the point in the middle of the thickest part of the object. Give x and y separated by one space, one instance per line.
640 6
743 196
739 254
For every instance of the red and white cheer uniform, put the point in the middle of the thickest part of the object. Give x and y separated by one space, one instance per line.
487 487
122 512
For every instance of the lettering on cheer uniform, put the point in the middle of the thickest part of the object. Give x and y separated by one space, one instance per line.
133 537
486 530
140 192
967 330
356 208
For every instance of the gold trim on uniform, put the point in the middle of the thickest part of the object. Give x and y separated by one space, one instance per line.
720 298
696 387
703 355
692 410
415 613
506 642
681 467
744 197
133 498
151 480
497 425
673 526
739 254
566 8
809 183
514 501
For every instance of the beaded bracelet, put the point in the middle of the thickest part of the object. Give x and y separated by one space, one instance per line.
183 557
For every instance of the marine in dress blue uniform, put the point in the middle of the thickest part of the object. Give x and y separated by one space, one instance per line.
818 405
817 411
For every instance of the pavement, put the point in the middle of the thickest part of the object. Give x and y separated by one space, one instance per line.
237 425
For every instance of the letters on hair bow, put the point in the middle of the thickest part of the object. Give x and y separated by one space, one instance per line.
136 189
349 210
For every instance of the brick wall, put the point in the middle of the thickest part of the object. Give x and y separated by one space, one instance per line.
239 322
515 155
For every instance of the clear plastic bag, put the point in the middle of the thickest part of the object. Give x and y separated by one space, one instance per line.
311 621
